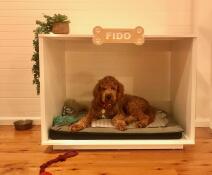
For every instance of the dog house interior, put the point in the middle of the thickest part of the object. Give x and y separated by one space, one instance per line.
162 70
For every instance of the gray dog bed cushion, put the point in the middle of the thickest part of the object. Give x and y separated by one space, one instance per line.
163 130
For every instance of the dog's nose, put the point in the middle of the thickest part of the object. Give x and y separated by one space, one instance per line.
109 97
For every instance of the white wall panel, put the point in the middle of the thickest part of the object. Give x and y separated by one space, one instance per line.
203 26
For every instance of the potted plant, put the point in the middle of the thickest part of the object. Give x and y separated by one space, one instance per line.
60 24
46 27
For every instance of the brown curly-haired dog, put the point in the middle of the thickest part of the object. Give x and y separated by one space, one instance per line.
111 102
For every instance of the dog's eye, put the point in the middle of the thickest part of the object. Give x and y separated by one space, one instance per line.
113 88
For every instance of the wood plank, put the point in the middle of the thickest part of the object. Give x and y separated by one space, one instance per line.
30 13
16 43
14 90
17 28
16 61
19 107
17 50
19 76
33 5
12 35
22 20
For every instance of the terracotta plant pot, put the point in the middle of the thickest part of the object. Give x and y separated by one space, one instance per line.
60 28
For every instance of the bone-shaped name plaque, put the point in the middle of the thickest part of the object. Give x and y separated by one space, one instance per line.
115 35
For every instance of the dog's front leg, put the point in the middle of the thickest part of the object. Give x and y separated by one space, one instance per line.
82 123
119 122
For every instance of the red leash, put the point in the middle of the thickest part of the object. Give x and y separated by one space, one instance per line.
60 158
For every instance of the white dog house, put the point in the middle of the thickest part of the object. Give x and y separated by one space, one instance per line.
162 70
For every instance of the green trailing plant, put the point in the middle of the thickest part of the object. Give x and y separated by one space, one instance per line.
43 27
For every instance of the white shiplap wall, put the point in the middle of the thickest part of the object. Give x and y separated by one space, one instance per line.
203 27
17 21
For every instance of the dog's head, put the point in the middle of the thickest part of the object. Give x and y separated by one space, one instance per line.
108 90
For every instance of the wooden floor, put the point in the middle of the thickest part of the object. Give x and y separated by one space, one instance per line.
22 154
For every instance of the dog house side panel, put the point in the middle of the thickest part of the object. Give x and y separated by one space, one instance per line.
183 84
52 80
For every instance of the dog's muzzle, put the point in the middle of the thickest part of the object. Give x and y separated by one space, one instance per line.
108 98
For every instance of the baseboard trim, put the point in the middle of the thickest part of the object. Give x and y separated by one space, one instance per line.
10 120
200 122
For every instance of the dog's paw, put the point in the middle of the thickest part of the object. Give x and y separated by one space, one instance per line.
142 123
76 127
121 125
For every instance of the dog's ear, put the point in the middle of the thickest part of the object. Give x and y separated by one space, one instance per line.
120 91
96 90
